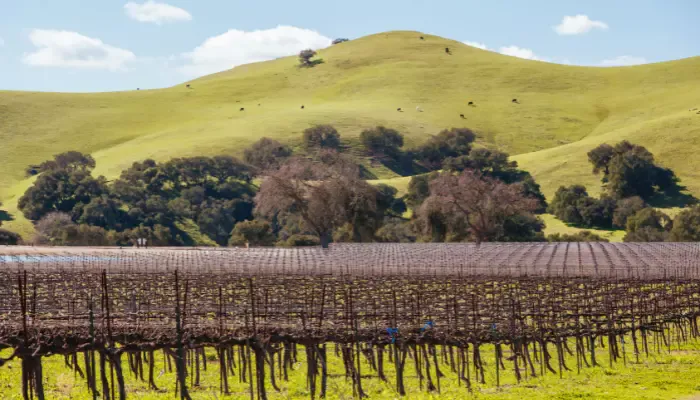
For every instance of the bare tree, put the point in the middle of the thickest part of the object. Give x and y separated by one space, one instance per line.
482 203
325 196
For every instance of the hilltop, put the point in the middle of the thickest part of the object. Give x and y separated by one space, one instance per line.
563 111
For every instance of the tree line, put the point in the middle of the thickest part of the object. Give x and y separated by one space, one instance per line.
319 194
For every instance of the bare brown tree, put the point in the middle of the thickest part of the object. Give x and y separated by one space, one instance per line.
324 195
482 203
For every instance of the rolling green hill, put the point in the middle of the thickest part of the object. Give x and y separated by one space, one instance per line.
563 111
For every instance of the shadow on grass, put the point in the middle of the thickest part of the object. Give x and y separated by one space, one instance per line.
5 216
676 197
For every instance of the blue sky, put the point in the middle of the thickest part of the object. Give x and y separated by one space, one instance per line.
99 45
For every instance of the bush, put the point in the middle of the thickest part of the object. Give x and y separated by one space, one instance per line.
573 205
321 137
340 40
582 236
300 241
255 233
686 226
454 142
625 209
9 238
648 225
396 231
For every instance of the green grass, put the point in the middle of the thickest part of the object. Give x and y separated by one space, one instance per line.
564 111
663 376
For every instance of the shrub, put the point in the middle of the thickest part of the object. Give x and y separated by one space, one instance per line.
321 137
255 233
267 154
582 236
301 241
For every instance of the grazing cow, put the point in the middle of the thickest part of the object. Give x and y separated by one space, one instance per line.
447 50
302 107
462 116
188 86
422 38
471 103
242 109
515 100
419 109
399 109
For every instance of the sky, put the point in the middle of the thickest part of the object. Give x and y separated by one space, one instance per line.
108 45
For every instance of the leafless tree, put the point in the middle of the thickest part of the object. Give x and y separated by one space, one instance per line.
325 195
484 204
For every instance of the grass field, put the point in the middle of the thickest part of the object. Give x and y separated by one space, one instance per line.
663 376
563 111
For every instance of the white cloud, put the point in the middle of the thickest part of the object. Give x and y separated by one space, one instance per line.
73 50
156 13
476 44
578 24
237 47
520 52
623 61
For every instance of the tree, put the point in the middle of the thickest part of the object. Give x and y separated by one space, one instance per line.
625 209
496 164
61 190
267 154
324 197
419 189
565 204
648 225
454 142
50 228
8 238
255 233
582 236
629 170
106 213
396 231
686 226
321 137
70 161
600 157
305 57
484 204
382 142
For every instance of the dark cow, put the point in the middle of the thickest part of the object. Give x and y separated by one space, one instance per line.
471 103
302 107
188 86
422 38
514 100
399 109
447 50
462 116
242 109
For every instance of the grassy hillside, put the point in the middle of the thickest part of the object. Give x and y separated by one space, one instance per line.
563 112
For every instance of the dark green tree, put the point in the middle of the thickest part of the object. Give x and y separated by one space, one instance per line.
382 142
686 226
582 236
625 209
449 143
254 233
321 137
648 225
61 190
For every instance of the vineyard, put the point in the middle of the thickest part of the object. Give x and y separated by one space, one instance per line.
384 311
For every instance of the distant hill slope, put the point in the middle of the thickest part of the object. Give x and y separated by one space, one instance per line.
563 111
